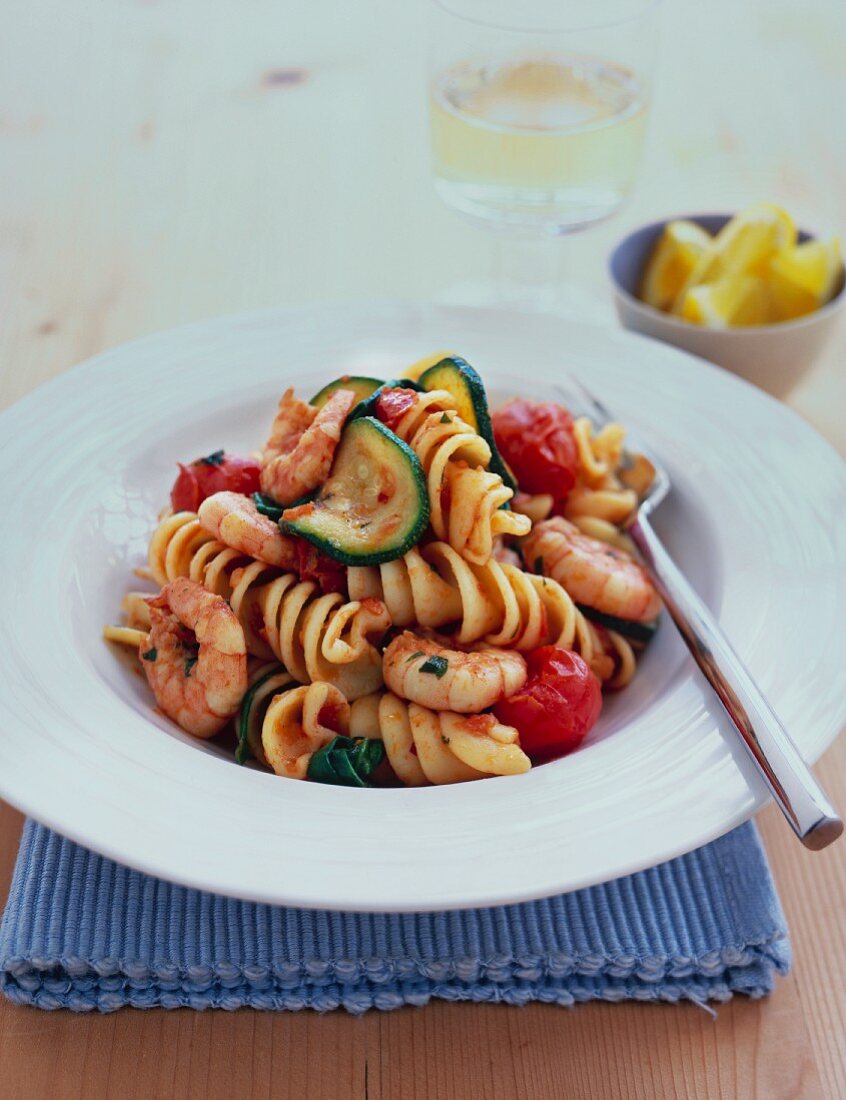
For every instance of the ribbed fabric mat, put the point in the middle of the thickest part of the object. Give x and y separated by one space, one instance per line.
82 932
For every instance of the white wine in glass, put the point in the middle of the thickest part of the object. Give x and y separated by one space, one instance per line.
545 141
538 113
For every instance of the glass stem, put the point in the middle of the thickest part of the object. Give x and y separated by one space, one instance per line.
529 270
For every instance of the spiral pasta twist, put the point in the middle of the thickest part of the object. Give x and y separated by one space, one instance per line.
465 498
497 603
294 727
426 746
315 636
605 495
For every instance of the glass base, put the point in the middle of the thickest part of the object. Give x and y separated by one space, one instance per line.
554 211
564 300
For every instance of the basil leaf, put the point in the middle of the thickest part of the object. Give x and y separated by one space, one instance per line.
214 459
150 655
436 665
367 755
346 761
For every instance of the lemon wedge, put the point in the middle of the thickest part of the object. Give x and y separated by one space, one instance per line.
744 246
732 300
673 259
803 278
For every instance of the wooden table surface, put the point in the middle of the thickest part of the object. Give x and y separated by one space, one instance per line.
168 160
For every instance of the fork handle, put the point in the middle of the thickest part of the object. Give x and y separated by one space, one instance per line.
803 802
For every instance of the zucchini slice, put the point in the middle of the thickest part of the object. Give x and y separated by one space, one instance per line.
253 709
367 407
422 365
374 505
458 378
637 632
271 508
362 387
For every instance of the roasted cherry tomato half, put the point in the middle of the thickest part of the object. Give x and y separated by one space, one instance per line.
536 440
213 474
393 404
556 707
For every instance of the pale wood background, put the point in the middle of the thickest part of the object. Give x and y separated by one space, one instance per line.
165 160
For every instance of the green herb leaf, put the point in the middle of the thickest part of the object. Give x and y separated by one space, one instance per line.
538 565
445 419
414 656
436 665
214 459
150 655
346 761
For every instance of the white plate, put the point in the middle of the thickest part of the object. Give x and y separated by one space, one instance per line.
757 519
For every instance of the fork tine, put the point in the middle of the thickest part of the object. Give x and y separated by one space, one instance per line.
600 413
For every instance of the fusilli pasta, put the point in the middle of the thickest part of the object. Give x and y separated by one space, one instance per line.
497 603
315 636
465 498
294 726
426 746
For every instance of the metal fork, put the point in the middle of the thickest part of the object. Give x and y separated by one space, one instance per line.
800 797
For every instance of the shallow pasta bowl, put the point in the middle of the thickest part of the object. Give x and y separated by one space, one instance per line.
755 519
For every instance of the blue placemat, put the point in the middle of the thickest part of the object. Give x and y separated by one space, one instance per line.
82 932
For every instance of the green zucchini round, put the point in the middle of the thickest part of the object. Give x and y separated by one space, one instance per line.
459 379
373 507
253 709
361 386
637 632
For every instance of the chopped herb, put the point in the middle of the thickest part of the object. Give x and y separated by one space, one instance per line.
150 655
190 661
414 656
539 565
445 739
445 419
214 459
367 523
346 761
436 665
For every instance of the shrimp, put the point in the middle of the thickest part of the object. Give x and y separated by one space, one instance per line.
195 657
593 573
302 444
235 520
424 671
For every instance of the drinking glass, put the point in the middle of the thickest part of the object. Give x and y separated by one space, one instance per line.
538 112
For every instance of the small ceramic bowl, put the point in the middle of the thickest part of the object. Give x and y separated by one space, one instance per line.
774 357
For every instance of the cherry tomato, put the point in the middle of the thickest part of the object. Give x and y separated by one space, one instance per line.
213 474
557 705
393 404
536 440
314 565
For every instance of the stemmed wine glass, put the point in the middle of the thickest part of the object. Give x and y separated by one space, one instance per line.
538 113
